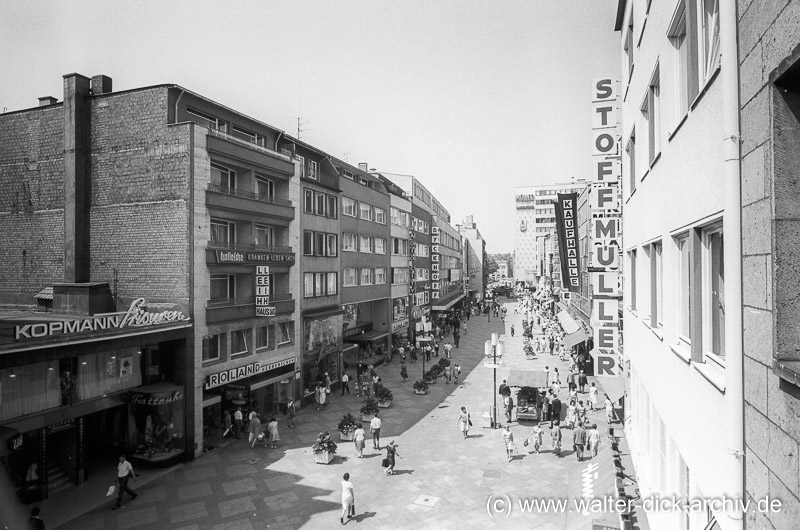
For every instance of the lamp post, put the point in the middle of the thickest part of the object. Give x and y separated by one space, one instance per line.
494 379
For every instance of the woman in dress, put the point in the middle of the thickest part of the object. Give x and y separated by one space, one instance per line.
572 415
403 372
391 453
508 441
358 439
348 498
463 422
272 430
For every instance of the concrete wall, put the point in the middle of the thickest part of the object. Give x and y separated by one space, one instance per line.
769 34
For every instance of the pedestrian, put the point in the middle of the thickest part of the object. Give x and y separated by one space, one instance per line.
580 412
579 441
237 422
572 415
547 375
291 411
348 499
555 434
536 434
375 429
272 430
552 344
403 371
609 406
391 453
448 350
593 440
457 372
512 330
358 440
327 383
545 399
413 355
228 422
345 383
592 397
448 371
124 473
508 441
254 428
464 325
571 380
34 521
582 382
456 339
464 422
555 406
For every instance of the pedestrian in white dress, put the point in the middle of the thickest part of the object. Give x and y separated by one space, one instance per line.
348 499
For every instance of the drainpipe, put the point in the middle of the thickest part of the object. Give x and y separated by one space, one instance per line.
176 106
277 140
732 234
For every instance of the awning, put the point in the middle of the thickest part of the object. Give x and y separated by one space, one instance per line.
567 322
531 378
323 312
562 306
447 305
368 336
44 294
575 338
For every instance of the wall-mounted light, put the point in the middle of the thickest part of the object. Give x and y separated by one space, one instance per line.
12 375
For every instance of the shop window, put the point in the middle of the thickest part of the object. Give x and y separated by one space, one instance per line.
30 388
104 373
285 333
214 347
239 341
158 424
262 337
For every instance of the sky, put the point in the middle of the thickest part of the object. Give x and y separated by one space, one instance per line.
474 98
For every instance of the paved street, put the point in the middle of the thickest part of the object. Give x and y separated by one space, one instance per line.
442 481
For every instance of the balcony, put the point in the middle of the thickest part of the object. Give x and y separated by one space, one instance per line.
226 309
225 245
249 201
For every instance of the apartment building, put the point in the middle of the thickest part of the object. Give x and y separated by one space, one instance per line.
401 266
474 258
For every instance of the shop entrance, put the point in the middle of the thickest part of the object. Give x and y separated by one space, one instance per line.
104 439
61 457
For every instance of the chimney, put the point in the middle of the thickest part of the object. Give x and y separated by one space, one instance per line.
363 166
47 100
76 205
101 85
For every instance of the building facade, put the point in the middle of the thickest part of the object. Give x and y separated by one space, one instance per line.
476 260
400 266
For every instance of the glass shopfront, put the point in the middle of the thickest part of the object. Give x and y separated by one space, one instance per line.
322 347
156 426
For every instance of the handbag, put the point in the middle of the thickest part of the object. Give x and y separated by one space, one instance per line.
385 462
111 489
525 443
470 423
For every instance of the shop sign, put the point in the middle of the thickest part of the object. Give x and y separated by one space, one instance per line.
228 376
399 325
435 262
158 398
60 426
566 227
136 316
14 443
284 381
230 256
263 308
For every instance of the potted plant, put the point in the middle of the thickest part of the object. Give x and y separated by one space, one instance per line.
430 377
347 427
324 448
384 397
443 363
420 387
369 409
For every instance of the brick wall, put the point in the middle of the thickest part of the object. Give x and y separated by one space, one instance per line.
769 33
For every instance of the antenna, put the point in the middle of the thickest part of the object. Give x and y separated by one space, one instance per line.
347 157
300 124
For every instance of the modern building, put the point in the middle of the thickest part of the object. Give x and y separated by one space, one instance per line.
475 258
447 286
770 131
366 264
535 218
502 268
682 292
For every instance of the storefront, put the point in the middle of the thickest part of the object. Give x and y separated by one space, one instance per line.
78 392
399 335
322 348
264 387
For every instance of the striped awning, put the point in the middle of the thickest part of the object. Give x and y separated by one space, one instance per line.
44 294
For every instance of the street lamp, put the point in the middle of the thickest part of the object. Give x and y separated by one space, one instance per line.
493 345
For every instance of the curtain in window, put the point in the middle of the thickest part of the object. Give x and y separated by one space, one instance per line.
711 35
107 372
33 388
219 233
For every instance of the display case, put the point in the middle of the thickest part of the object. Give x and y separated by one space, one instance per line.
156 430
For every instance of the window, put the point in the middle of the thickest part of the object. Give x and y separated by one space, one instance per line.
349 277
380 276
331 208
632 275
653 114
213 347
308 243
630 149
308 200
365 212
656 286
223 231
263 235
349 242
262 337
264 187
399 247
399 275
206 120
313 170
422 250
333 283
423 274
628 47
380 215
319 284
223 176
366 276
302 161
380 245
709 48
713 293
223 286
285 333
333 245
680 62
348 207
239 341
685 288
319 244
319 203
365 244
308 285
248 136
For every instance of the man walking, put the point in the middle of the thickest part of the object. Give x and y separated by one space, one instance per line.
124 472
579 441
512 330
291 411
555 407
375 429
255 429
582 382
237 422
345 383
